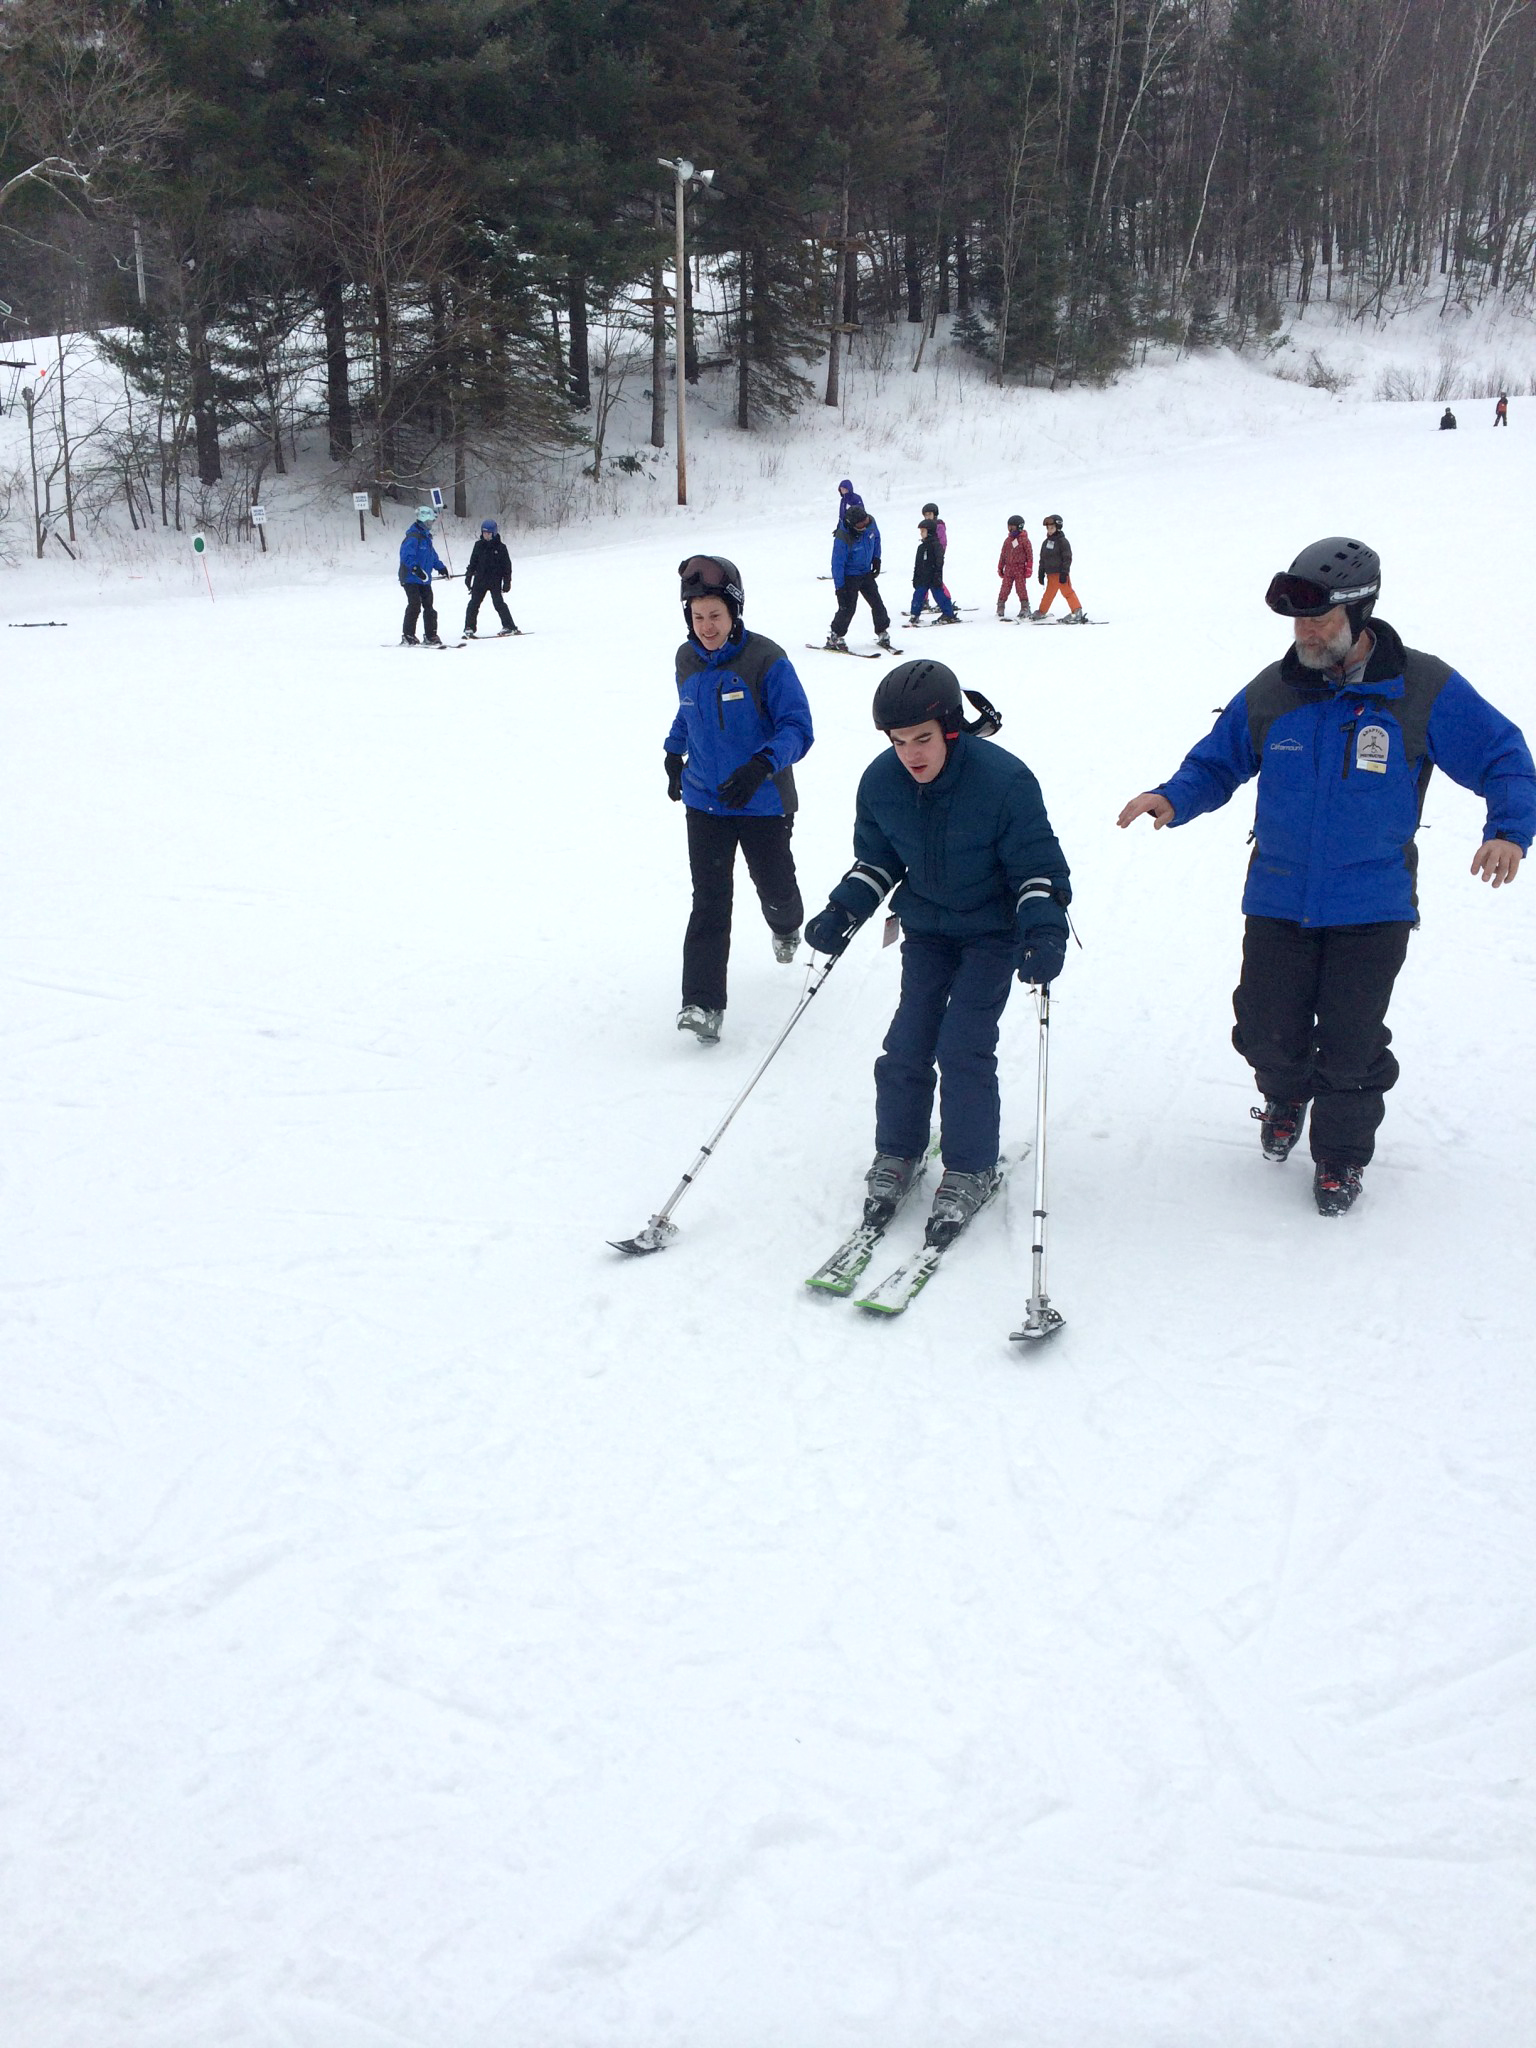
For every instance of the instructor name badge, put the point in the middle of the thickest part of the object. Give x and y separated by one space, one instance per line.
1371 750
732 696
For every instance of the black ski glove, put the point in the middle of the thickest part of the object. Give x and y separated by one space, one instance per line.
1043 955
675 776
830 930
739 789
874 567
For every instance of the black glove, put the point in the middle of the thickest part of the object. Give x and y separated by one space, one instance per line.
441 575
830 930
675 776
1043 955
740 788
874 567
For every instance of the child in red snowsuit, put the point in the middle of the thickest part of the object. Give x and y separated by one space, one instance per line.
1014 565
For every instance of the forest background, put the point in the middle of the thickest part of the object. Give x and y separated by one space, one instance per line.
442 230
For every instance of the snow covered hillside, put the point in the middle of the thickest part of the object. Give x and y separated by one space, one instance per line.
424 1627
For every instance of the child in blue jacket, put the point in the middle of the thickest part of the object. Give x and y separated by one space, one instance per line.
742 722
419 563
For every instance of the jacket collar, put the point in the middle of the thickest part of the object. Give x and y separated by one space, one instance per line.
726 652
1383 671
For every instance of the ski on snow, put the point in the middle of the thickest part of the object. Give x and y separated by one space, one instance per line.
858 653
840 1274
898 1290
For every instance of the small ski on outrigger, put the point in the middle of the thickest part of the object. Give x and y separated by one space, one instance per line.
898 1290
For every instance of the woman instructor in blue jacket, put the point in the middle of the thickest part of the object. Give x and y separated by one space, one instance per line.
742 722
1343 734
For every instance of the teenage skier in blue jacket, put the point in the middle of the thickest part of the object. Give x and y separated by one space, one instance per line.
958 829
1343 734
742 722
419 563
855 567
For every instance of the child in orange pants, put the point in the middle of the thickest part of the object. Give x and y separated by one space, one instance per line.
1056 569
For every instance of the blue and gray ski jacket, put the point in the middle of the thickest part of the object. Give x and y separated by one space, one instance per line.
743 699
418 557
854 554
970 855
1342 776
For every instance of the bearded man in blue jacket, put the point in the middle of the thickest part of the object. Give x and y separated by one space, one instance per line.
1343 734
958 829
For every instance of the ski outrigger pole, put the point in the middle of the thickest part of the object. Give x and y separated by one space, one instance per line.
1040 1319
660 1231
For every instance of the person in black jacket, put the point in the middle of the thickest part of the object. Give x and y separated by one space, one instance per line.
488 575
928 575
1056 570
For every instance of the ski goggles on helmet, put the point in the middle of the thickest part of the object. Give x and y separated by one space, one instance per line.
1298 597
703 576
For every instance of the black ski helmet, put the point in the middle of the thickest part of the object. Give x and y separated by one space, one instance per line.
916 691
930 511
711 576
1052 519
1016 519
1330 572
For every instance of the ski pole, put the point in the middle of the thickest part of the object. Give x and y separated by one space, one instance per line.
661 1229
1040 1319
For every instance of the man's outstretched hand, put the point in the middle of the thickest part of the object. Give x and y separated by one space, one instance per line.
1148 805
1497 861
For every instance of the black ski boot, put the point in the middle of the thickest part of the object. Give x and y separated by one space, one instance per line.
1279 1127
955 1201
889 1181
1336 1188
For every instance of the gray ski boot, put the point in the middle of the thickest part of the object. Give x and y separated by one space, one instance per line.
704 1024
955 1201
889 1181
785 946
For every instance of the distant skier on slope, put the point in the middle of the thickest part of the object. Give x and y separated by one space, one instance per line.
941 532
928 576
742 722
489 575
1447 421
855 568
845 491
1015 560
419 563
1342 734
1501 410
959 831
1056 570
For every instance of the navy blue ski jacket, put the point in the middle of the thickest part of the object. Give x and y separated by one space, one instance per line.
743 699
854 554
970 855
418 557
1342 775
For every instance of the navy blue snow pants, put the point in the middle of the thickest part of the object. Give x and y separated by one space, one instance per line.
953 992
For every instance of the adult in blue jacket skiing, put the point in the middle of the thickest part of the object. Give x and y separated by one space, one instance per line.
958 829
855 566
742 722
419 563
1343 734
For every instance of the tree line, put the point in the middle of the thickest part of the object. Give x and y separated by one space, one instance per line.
443 227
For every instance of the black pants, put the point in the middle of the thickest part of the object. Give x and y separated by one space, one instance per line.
418 598
477 596
953 992
848 595
1311 1021
712 844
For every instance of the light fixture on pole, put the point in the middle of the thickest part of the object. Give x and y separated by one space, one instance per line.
683 174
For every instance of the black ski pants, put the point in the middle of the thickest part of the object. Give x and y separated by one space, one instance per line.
953 992
478 593
712 844
848 595
1311 1013
418 598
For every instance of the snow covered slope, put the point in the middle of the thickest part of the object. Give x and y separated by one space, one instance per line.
423 1627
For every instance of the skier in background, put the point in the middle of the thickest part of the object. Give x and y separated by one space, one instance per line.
1014 562
1501 411
942 533
959 831
1447 421
419 563
742 722
489 575
845 491
1056 570
928 576
855 567
1342 734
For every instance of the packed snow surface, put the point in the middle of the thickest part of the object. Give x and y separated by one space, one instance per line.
425 1629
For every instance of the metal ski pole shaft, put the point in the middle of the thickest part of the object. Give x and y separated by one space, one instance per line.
1040 1319
661 1229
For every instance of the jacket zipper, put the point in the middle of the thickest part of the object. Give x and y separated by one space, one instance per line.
1349 740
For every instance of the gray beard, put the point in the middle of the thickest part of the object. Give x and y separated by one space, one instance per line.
1330 654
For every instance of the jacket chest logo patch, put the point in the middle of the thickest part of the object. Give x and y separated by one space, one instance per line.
1286 747
1371 749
